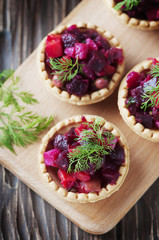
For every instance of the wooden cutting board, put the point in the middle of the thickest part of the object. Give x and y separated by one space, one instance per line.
100 217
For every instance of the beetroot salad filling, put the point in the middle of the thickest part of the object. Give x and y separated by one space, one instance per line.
86 158
80 61
143 96
142 9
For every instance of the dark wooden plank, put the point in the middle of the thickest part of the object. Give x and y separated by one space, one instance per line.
23 214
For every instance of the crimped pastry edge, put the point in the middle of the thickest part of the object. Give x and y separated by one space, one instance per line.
83 197
132 22
87 99
138 128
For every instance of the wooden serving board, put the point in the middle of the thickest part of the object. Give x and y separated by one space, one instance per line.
100 217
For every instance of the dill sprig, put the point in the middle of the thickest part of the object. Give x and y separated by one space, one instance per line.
151 93
154 72
17 126
127 4
65 69
95 142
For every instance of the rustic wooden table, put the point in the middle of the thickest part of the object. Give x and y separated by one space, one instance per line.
23 214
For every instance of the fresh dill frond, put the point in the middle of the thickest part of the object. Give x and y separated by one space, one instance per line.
127 4
65 69
151 93
95 142
17 126
154 72
5 74
150 97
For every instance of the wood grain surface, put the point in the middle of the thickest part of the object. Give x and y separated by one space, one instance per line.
24 215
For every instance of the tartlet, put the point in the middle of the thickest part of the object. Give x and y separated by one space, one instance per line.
143 24
91 97
50 173
139 113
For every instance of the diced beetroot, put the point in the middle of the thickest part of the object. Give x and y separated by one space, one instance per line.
152 14
92 45
136 93
60 142
70 52
101 42
81 51
150 83
56 81
53 37
145 119
96 62
110 175
155 113
94 185
83 119
157 124
88 72
117 156
109 70
80 128
101 83
78 87
71 135
132 108
62 160
145 80
53 46
82 176
67 180
69 40
50 157
132 79
72 27
114 55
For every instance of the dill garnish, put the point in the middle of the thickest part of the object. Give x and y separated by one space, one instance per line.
151 93
127 4
95 142
17 126
65 69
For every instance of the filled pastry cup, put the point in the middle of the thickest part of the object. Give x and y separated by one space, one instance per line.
142 24
88 185
141 115
99 63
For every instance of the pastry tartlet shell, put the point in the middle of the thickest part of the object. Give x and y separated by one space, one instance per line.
138 128
54 182
132 22
87 99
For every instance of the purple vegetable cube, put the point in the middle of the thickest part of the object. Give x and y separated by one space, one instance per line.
50 157
144 118
78 87
132 79
97 62
70 52
69 40
92 45
81 51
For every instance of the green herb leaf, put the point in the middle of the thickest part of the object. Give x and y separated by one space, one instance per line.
127 4
65 69
17 126
150 97
5 74
151 93
155 70
131 100
95 142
